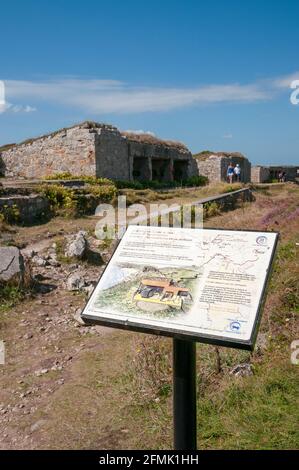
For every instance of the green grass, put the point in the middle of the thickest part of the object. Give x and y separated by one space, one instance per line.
9 296
259 412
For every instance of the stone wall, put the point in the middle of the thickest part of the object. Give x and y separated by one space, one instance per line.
263 174
245 166
211 168
215 167
31 208
95 149
69 150
112 157
158 155
260 174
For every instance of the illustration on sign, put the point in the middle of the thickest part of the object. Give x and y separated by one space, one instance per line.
199 282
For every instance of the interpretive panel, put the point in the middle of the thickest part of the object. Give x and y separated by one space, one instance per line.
207 285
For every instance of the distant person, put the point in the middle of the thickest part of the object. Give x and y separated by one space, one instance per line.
237 172
284 176
280 176
230 173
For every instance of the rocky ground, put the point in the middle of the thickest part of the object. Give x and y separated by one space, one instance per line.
44 333
68 385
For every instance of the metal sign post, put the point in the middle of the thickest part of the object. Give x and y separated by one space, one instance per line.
184 394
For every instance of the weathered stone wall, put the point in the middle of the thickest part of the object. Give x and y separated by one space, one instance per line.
215 167
154 153
30 208
211 168
259 174
71 150
245 166
92 149
112 158
291 172
263 174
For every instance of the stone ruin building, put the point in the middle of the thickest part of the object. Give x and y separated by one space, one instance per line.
100 150
264 174
214 165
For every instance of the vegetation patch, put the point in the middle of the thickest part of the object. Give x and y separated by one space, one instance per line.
9 214
70 202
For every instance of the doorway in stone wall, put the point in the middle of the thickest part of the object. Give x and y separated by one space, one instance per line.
180 170
141 169
161 169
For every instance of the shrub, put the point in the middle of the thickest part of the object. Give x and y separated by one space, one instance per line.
9 214
195 181
211 209
58 196
234 187
155 184
76 202
92 180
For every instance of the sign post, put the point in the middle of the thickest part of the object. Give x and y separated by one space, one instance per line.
184 394
194 285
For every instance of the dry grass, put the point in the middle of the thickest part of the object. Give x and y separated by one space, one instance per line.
150 139
205 154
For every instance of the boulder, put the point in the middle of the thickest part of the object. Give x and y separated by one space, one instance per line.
77 246
12 267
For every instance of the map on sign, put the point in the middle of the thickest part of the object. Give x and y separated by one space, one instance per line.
205 284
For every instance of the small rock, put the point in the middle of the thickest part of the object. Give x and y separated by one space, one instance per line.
242 370
77 246
88 289
31 253
78 318
37 425
261 342
39 261
38 373
28 336
75 282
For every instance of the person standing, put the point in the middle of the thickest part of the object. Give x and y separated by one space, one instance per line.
237 172
230 173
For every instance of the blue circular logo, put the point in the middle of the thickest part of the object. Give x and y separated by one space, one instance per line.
235 326
261 240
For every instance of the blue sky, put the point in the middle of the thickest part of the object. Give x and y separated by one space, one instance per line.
214 75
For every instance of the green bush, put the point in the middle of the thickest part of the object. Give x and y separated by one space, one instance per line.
68 201
235 187
92 180
9 214
154 184
211 209
195 181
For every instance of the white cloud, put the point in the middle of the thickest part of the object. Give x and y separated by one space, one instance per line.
111 96
227 136
140 131
285 81
18 108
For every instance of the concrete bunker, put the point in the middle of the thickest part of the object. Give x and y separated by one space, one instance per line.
141 169
161 169
180 170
